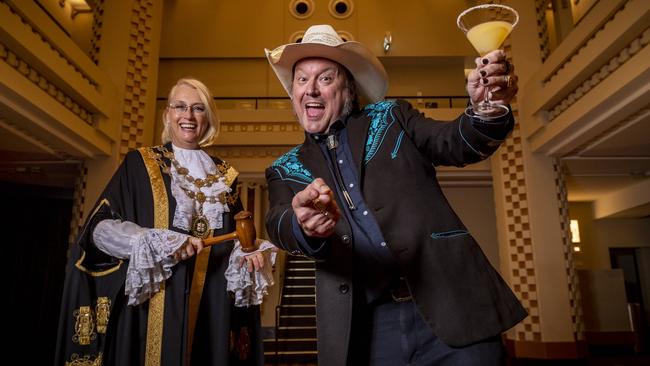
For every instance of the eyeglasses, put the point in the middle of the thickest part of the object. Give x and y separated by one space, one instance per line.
181 108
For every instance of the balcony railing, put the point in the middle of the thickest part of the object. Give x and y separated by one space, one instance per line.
284 103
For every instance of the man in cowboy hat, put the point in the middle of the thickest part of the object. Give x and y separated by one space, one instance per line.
399 279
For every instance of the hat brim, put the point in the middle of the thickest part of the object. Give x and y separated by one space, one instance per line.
369 74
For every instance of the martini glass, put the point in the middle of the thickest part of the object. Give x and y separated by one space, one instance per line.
486 27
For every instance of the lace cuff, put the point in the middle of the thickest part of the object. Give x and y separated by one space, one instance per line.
151 262
250 288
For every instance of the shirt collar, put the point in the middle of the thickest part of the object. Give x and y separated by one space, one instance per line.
335 129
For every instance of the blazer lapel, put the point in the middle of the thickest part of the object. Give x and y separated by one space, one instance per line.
357 131
312 157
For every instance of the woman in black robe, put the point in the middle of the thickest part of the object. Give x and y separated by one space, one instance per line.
140 287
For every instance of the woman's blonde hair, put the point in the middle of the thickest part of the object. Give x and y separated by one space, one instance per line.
211 111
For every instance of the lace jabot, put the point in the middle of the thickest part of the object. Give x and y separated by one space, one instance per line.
199 164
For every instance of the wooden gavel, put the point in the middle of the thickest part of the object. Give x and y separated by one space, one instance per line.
244 231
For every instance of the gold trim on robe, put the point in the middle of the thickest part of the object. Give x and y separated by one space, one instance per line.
161 221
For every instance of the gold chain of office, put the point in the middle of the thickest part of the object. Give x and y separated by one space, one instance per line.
200 224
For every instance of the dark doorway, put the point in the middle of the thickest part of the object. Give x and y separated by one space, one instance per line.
625 259
628 260
36 226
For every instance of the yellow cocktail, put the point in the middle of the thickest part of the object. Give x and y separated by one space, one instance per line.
486 27
488 36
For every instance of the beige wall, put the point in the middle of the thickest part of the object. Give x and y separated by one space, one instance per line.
597 236
208 29
223 44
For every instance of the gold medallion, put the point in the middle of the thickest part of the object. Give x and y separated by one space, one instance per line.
200 226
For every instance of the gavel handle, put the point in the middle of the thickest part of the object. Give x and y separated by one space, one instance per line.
218 239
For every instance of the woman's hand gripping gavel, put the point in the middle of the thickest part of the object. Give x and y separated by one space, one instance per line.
244 231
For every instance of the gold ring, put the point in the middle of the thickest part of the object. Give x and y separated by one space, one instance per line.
508 81
318 205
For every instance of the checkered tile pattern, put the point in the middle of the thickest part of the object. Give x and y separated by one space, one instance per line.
572 276
518 235
542 28
519 238
137 76
98 22
78 204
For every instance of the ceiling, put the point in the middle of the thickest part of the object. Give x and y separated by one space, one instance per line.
27 159
616 161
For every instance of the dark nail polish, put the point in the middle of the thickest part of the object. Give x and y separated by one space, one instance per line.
485 81
483 73
485 61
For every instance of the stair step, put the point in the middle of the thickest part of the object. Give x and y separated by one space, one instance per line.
299 300
296 332
299 345
312 317
291 358
298 352
297 310
299 281
298 291
297 320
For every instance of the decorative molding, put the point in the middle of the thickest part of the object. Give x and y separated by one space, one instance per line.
29 72
640 42
583 45
45 39
631 119
255 127
248 152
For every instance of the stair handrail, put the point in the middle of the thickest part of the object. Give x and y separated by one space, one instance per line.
278 307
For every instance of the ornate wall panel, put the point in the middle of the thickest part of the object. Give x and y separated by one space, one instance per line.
133 113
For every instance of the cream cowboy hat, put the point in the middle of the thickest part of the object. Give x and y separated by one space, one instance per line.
323 41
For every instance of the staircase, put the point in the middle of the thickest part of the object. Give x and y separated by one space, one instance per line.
295 331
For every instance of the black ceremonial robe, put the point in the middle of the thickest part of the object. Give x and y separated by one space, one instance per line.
96 327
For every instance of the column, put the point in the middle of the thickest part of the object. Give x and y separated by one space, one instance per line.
532 221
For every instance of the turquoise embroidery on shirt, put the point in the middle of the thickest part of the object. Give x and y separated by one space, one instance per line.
290 168
378 113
